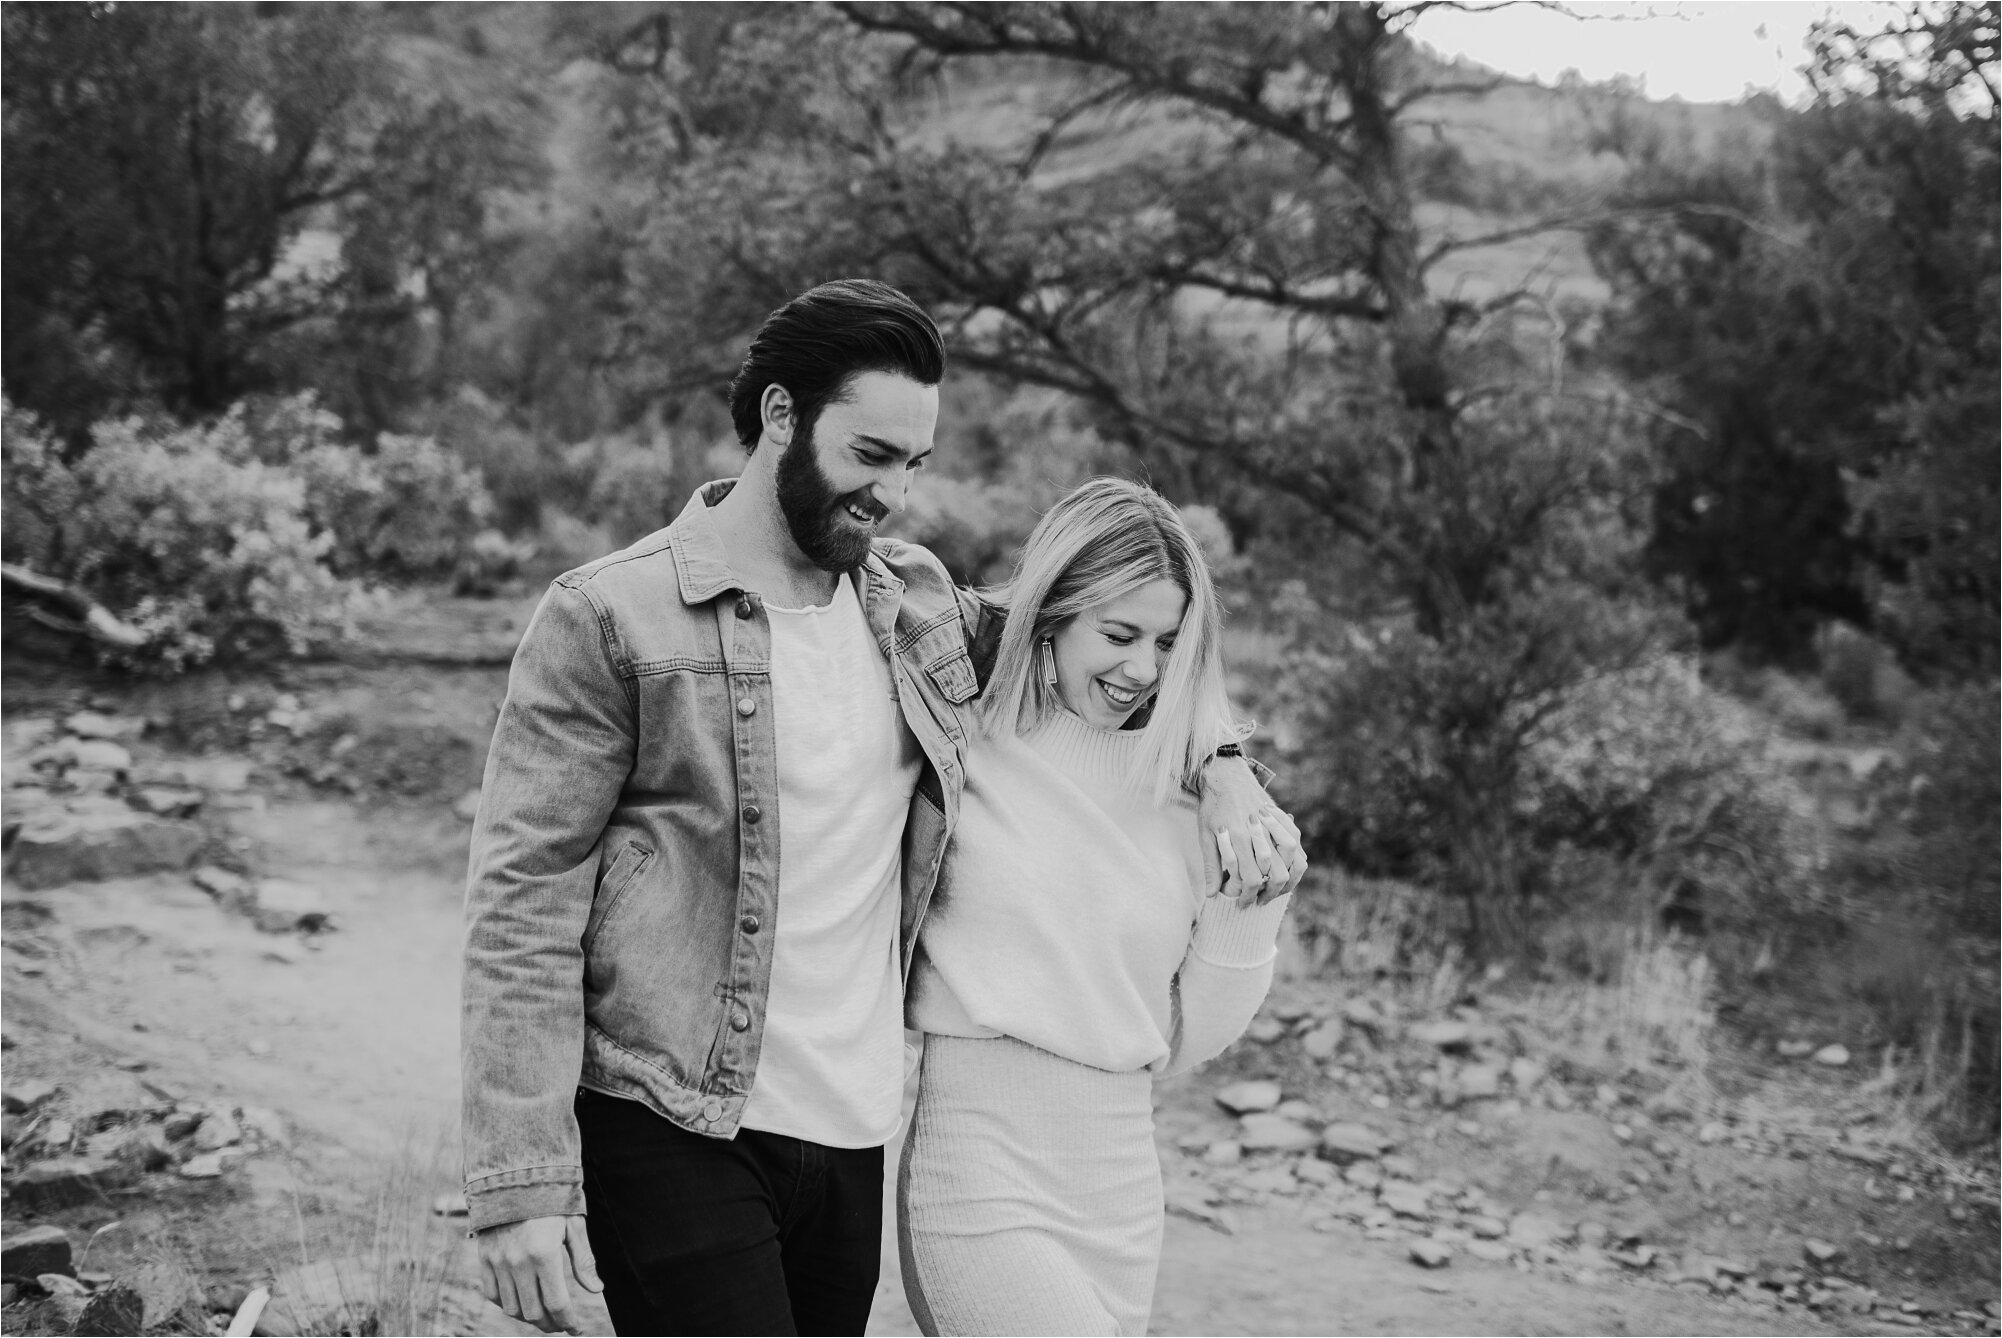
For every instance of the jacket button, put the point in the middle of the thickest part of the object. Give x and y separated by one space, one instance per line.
743 608
751 813
712 1111
745 706
749 924
740 1022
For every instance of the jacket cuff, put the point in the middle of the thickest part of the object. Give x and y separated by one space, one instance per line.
518 1203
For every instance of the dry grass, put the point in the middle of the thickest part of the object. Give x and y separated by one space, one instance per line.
1377 928
1655 1017
388 1264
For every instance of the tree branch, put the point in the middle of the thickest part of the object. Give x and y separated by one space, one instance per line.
99 623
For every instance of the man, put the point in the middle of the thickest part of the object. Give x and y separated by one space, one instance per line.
719 790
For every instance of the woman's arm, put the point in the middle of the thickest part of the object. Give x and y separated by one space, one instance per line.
1224 977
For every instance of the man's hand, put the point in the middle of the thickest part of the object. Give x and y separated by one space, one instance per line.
525 1269
1257 844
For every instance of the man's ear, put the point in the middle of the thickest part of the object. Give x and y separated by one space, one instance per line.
776 414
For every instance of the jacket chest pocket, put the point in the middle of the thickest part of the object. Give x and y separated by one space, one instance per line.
951 674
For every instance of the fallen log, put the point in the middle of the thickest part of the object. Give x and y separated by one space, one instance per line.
99 623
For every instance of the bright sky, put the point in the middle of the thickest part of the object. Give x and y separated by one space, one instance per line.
1700 52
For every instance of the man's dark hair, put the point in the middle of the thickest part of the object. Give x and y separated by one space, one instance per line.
814 344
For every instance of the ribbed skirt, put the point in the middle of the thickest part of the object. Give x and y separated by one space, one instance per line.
1029 1199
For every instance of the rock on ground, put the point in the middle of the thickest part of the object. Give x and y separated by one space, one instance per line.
97 725
283 905
24 1096
1444 1035
167 802
116 1309
1346 1141
1479 1081
1535 1231
64 1182
1315 1172
1406 1200
209 1165
1322 1041
29 1251
91 840
1430 1254
1274 1133
216 1132
1245 1098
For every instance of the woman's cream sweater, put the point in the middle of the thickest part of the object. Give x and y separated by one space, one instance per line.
1070 913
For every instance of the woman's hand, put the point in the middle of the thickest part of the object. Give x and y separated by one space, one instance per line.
1253 846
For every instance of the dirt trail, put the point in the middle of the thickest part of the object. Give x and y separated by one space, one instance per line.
355 1042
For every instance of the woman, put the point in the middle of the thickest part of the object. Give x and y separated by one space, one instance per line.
1073 952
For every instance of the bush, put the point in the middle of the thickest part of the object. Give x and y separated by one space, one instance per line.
637 490
405 510
525 474
1957 804
242 538
1671 781
408 511
181 532
1638 793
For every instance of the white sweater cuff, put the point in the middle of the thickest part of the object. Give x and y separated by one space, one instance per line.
1230 934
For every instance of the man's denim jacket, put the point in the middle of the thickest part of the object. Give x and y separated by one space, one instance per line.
624 875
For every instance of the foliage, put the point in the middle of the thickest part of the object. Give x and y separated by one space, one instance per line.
526 474
1957 808
975 527
182 532
165 163
638 487
1673 781
243 538
403 509
407 510
1201 228
1825 327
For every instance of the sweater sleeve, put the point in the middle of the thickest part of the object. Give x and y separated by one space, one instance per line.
1223 978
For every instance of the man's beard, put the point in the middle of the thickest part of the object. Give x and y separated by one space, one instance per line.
817 516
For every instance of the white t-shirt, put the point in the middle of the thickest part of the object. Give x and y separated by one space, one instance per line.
831 1067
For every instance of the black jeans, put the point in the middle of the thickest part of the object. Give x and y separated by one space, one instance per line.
760 1234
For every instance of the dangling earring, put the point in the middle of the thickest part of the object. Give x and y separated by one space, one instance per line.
1049 665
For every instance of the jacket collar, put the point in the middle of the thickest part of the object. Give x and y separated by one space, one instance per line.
704 567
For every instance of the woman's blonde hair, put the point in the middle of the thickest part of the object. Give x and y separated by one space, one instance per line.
1106 538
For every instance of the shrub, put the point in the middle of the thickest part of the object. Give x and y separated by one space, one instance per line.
405 510
638 489
1670 780
408 511
1957 803
491 562
181 532
525 474
240 538
1635 793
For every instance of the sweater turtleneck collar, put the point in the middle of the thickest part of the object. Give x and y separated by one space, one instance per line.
1102 756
